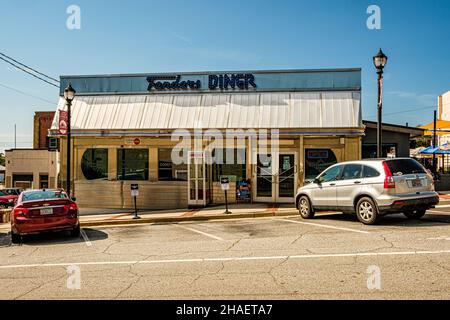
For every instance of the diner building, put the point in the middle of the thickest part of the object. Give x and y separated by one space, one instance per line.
177 134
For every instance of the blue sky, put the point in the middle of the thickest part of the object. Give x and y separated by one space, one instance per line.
157 36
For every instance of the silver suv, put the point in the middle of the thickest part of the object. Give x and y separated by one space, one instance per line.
370 188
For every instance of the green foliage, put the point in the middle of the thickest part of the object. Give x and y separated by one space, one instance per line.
2 159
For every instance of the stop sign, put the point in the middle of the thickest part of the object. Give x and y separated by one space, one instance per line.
137 141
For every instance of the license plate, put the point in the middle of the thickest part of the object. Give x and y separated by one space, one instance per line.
416 183
46 212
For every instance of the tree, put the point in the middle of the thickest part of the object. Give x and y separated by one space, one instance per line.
2 159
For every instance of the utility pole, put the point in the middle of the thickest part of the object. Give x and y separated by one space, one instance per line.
434 141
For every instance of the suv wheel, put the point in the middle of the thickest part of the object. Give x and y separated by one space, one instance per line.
366 211
304 208
414 214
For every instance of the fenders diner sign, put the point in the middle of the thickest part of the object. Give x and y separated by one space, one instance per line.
216 81
221 81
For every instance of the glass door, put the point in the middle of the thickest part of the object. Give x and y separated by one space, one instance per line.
264 178
196 178
276 177
286 177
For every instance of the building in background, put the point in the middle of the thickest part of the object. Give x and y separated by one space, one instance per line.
396 140
122 128
444 114
2 175
42 123
37 167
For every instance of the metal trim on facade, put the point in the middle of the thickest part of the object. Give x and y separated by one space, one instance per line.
216 111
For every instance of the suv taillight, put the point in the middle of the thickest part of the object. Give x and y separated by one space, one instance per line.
389 182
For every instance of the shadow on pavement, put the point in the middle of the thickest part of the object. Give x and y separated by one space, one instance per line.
62 237
428 220
4 239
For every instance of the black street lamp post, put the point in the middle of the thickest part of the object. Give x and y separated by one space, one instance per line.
380 61
69 94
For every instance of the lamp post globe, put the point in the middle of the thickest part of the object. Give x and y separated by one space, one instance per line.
69 95
380 61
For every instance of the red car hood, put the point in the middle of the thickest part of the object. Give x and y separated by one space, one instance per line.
7 198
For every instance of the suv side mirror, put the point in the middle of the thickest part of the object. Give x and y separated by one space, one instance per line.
317 181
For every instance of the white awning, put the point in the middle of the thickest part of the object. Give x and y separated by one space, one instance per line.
216 111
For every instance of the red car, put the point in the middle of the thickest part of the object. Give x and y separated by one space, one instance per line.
39 211
6 199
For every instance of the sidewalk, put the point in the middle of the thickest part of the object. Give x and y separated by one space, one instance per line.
210 213
92 217
444 195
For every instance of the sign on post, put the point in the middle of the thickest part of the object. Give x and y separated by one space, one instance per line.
225 184
134 190
134 194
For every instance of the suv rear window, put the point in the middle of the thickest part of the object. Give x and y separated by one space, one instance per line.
369 172
404 166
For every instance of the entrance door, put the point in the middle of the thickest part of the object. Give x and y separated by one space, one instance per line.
196 179
276 177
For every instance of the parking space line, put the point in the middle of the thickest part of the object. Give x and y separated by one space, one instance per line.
224 259
435 211
322 226
85 237
200 232
443 206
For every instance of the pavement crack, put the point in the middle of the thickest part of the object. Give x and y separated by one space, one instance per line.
138 278
274 278
391 244
233 244
109 247
39 286
300 237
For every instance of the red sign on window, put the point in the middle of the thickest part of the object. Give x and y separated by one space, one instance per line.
137 141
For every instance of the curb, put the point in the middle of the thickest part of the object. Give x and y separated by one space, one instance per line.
5 215
187 219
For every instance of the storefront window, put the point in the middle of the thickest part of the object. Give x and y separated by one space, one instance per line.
316 161
94 164
369 151
132 164
233 167
167 170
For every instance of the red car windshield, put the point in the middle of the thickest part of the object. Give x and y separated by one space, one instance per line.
43 195
3 194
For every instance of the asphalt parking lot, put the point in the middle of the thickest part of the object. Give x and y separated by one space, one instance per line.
330 257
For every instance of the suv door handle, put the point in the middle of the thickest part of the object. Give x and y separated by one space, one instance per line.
357 182
332 184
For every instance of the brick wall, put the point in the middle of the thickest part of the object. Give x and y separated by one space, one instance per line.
42 123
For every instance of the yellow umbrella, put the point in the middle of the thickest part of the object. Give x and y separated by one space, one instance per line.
442 128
